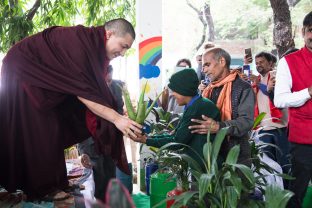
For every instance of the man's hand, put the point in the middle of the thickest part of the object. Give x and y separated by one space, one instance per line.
247 59
202 86
85 161
128 127
271 84
203 126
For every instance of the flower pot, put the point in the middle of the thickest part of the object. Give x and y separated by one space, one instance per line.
160 187
307 201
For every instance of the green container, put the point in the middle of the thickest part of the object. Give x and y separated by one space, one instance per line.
307 201
142 180
159 187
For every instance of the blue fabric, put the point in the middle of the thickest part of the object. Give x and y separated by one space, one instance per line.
263 89
191 102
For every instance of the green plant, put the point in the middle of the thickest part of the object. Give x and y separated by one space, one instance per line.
165 121
224 184
142 111
217 186
276 197
173 163
259 167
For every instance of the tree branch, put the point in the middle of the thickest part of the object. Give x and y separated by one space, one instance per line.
203 38
293 3
209 21
31 13
201 18
190 5
12 3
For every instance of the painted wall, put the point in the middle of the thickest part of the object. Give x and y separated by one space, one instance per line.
149 35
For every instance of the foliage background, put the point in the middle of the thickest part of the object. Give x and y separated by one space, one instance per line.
237 24
21 18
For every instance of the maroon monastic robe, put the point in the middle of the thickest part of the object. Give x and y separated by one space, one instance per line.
40 114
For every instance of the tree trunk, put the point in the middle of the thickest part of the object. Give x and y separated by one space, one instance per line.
200 16
31 13
209 20
282 32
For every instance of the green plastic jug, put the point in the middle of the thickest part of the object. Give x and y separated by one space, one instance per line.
307 201
159 187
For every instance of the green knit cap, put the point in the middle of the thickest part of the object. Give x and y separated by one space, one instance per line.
184 82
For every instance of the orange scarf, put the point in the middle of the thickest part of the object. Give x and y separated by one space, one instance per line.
224 102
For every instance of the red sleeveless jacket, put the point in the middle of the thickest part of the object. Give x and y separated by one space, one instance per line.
300 118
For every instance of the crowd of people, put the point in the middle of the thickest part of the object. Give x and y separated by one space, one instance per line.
54 94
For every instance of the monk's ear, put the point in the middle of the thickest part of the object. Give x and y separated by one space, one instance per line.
109 33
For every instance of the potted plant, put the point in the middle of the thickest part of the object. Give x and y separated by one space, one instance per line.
142 107
222 186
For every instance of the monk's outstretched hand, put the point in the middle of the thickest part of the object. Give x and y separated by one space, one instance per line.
128 127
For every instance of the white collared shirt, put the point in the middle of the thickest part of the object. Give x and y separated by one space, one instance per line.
283 97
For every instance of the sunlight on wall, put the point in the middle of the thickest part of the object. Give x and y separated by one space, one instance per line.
127 69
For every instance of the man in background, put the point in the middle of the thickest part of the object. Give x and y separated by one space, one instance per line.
234 98
293 90
274 122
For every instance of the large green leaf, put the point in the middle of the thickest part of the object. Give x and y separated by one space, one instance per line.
193 164
152 105
237 183
258 119
232 196
276 197
207 154
232 156
217 144
204 182
247 172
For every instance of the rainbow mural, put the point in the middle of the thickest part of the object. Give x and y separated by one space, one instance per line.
150 50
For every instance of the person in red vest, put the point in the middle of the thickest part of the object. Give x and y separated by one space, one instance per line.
275 121
293 90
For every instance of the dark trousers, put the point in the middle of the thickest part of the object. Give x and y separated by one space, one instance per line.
104 167
301 159
279 138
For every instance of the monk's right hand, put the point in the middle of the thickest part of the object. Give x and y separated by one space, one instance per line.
128 127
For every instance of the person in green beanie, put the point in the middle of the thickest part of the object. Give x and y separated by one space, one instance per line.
184 86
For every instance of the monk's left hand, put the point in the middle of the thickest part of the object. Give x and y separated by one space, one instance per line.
202 126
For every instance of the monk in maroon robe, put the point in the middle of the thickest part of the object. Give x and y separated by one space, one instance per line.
53 95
